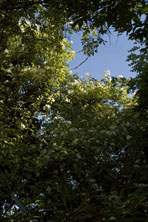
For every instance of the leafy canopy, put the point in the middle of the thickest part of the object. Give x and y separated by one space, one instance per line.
71 149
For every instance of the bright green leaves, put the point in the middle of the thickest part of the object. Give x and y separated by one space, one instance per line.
34 62
72 149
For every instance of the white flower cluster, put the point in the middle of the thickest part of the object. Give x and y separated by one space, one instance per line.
70 91
100 85
83 91
73 52
51 100
57 117
88 74
46 107
120 77
67 100
40 98
76 82
22 126
110 78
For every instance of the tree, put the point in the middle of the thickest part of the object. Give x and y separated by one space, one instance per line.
96 17
96 166
139 62
68 146
83 159
26 81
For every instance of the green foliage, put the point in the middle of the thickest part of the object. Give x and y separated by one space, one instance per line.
74 15
71 149
81 158
32 65
138 59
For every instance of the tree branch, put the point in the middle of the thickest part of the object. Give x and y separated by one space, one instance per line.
79 64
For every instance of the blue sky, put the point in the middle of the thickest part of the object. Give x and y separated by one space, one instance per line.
111 57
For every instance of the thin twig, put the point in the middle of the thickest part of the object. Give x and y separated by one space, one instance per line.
79 51
79 65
